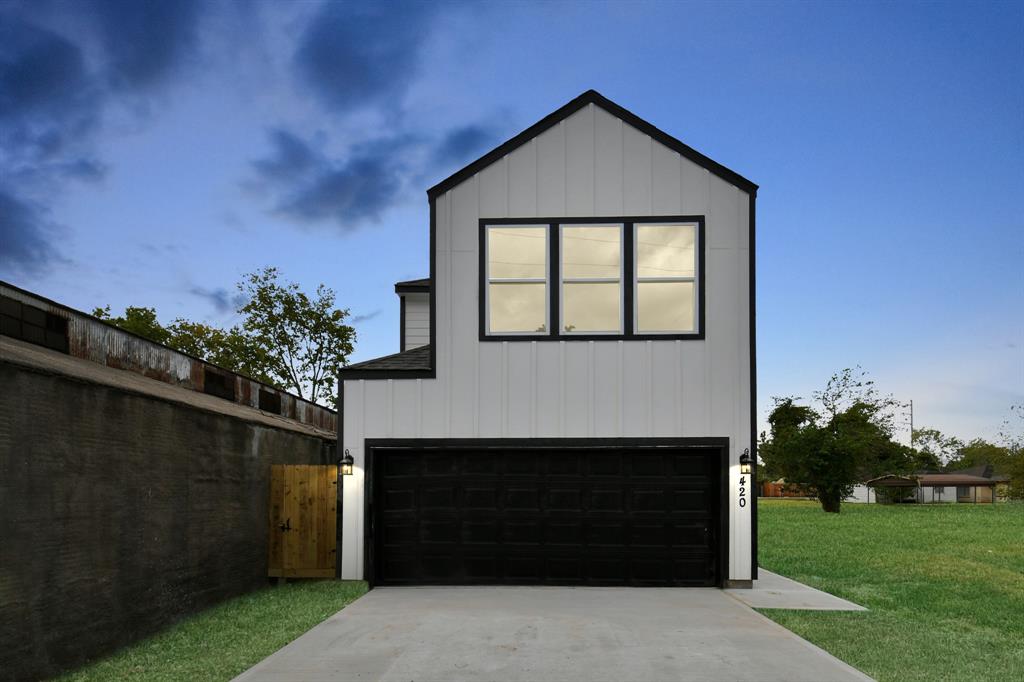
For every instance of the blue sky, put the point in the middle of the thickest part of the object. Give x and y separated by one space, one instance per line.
152 154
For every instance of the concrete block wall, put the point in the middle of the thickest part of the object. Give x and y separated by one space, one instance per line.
122 513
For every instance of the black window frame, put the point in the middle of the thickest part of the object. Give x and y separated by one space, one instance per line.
628 224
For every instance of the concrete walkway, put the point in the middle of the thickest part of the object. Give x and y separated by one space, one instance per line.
773 591
533 634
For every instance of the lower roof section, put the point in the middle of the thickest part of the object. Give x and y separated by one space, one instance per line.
409 364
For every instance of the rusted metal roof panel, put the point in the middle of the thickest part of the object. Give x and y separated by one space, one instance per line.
90 338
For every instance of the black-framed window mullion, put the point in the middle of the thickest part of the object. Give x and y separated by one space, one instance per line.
555 279
628 279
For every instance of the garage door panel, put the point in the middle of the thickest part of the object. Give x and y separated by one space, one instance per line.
481 532
520 497
648 535
689 500
546 516
641 464
649 500
437 497
399 534
605 464
481 498
439 532
692 535
481 568
565 570
441 464
685 465
520 464
440 567
606 534
563 464
400 499
564 499
401 464
528 532
604 499
479 463
564 533
524 568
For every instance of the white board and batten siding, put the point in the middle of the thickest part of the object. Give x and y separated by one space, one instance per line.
590 164
417 320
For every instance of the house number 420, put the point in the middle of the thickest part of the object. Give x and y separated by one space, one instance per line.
743 491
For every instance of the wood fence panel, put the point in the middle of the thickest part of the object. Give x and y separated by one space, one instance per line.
305 524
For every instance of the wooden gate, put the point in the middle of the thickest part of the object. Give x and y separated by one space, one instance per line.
303 521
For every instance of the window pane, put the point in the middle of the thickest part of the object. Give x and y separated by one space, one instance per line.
590 307
664 307
665 250
517 252
517 307
591 251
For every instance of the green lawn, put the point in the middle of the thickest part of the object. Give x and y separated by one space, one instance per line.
944 585
221 642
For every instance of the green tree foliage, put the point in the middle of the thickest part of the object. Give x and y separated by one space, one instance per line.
305 340
844 439
934 450
141 321
286 339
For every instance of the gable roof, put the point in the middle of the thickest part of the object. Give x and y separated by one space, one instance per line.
597 99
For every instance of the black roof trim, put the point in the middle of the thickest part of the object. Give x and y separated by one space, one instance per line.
552 119
411 286
409 364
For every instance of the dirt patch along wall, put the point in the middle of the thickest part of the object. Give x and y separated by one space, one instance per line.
122 513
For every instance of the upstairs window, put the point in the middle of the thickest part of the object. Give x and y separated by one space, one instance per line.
591 267
517 279
592 278
666 278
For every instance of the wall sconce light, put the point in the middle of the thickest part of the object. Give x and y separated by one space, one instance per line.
746 464
345 463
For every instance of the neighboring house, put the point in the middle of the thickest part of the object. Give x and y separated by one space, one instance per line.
780 488
580 412
975 485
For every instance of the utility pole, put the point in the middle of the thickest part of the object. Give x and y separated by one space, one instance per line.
911 423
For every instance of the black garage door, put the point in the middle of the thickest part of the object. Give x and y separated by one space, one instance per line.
562 516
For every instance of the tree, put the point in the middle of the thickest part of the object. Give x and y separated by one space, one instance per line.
141 321
305 340
231 348
847 439
935 450
978 452
286 339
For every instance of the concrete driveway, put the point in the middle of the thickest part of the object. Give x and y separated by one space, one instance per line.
588 634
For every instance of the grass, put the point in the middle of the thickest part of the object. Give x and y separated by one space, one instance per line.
944 585
227 639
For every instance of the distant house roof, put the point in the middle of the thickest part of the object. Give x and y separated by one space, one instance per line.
958 478
412 286
892 481
930 480
405 365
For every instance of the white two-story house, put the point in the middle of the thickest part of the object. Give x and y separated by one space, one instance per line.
575 391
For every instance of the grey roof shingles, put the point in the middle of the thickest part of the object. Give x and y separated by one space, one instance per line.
416 359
